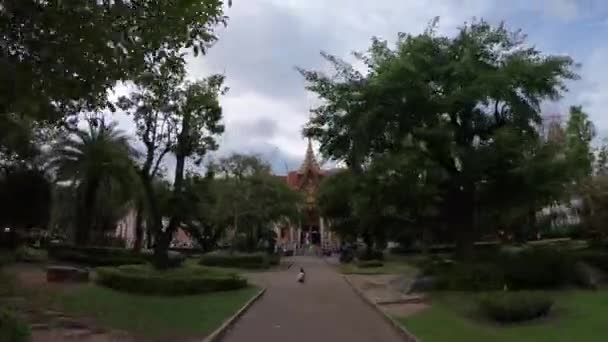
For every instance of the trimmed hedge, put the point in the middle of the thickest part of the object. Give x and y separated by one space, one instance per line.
143 279
238 260
12 329
96 256
274 259
29 254
530 268
370 264
6 257
367 255
106 256
347 255
509 307
470 277
539 268
594 257
482 246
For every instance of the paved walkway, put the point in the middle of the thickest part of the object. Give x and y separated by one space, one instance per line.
323 309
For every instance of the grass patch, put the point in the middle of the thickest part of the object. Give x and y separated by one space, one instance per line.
152 317
577 316
389 267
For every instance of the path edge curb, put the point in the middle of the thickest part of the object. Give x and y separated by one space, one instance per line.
408 336
217 335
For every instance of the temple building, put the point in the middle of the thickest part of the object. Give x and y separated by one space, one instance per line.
312 229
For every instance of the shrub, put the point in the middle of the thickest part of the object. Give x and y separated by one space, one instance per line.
370 254
274 259
95 256
434 265
370 264
143 279
515 306
594 257
525 269
346 255
538 268
470 277
107 256
6 257
28 254
12 329
236 260
7 283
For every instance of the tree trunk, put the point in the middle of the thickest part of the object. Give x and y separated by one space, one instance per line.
235 231
85 215
149 237
139 227
155 220
369 243
161 248
531 224
462 214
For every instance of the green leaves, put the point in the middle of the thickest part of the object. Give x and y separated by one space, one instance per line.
464 109
98 164
56 65
580 131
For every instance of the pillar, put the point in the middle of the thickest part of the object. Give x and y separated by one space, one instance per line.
322 231
299 234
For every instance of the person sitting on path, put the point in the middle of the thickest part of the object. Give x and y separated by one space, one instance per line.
301 275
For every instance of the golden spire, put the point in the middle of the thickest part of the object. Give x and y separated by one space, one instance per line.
310 162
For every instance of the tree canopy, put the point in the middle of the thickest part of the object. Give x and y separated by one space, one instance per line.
98 163
461 104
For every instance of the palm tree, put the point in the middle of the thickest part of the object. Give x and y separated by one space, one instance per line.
98 163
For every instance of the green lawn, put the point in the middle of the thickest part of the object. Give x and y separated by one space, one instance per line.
152 317
577 316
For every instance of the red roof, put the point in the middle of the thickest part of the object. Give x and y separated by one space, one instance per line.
292 179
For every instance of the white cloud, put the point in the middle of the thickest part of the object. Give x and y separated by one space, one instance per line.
265 39
593 94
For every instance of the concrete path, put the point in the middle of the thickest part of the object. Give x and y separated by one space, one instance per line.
323 309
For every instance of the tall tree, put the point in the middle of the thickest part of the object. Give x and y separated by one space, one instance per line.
580 131
249 199
96 161
152 107
196 114
449 95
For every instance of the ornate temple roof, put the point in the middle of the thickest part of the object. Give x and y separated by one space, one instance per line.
310 162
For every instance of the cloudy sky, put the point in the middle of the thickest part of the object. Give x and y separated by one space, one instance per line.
265 40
